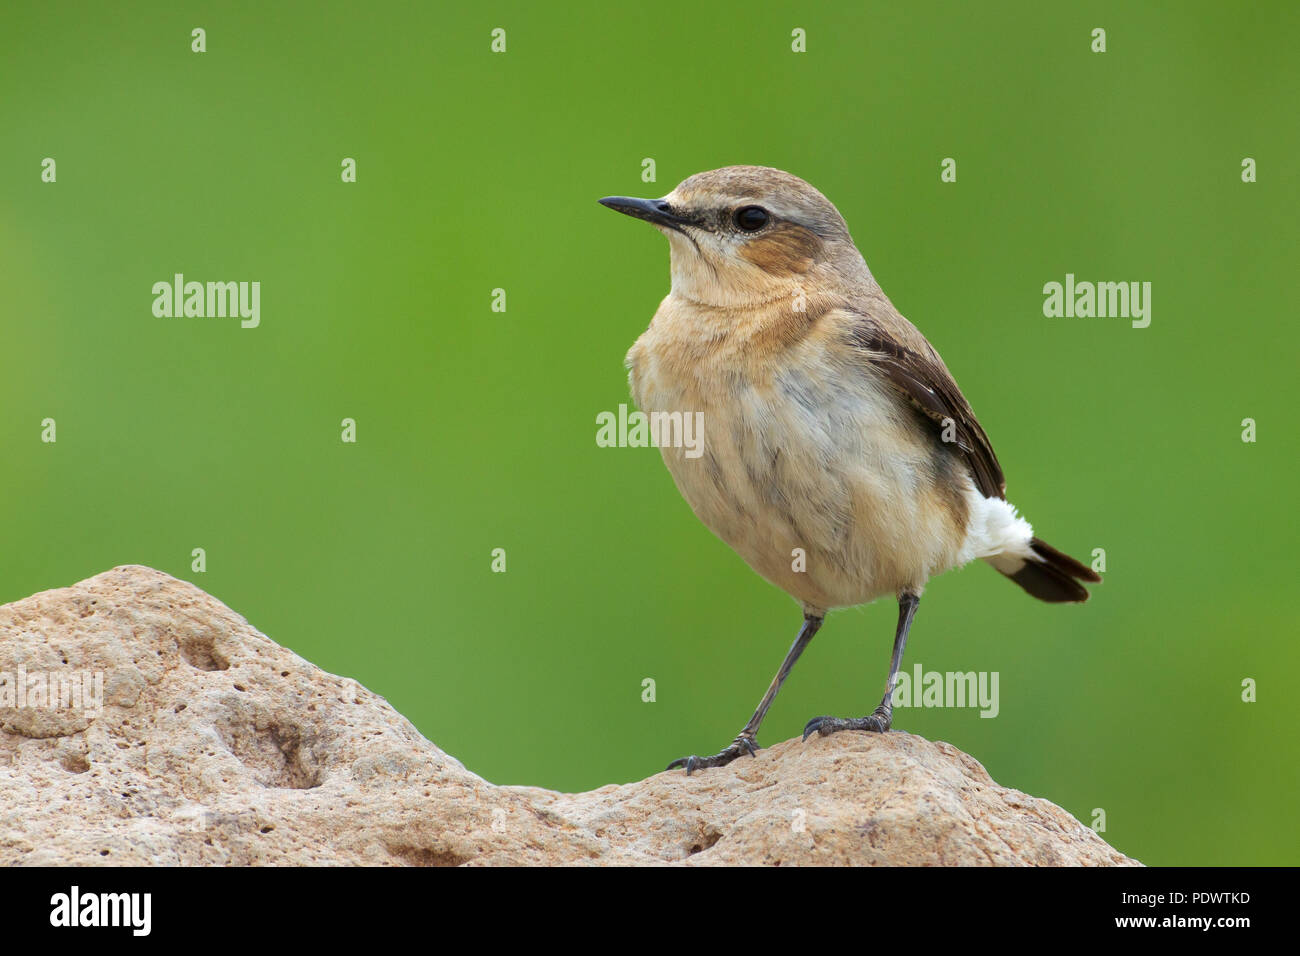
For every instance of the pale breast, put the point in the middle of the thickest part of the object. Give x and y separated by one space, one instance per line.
810 469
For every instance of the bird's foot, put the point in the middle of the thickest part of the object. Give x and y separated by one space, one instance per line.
743 744
878 721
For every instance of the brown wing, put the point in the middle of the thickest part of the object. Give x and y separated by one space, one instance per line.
918 373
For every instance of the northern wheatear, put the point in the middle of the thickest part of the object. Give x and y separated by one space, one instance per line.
840 459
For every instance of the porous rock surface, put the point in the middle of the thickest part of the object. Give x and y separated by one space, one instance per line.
214 745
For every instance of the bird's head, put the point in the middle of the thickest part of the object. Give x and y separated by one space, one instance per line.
743 235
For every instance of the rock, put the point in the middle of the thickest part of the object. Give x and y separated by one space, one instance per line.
204 742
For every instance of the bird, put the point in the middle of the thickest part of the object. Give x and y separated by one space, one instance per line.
838 457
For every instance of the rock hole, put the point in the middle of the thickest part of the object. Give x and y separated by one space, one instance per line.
200 651
427 856
278 754
74 763
708 838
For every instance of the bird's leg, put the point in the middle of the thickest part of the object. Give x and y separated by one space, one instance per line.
745 741
880 719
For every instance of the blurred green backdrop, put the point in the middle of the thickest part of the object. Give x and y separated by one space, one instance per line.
476 429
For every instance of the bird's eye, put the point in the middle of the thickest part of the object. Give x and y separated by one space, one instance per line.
751 218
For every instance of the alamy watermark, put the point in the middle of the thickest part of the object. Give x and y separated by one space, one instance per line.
75 908
211 300
636 429
923 688
1084 300
52 690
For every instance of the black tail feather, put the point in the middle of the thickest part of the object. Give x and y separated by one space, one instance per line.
1055 578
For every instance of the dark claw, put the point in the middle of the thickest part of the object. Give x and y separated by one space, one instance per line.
742 744
877 723
813 725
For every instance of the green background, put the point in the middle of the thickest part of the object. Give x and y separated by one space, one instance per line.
477 429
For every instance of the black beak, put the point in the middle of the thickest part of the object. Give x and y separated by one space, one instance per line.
655 211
